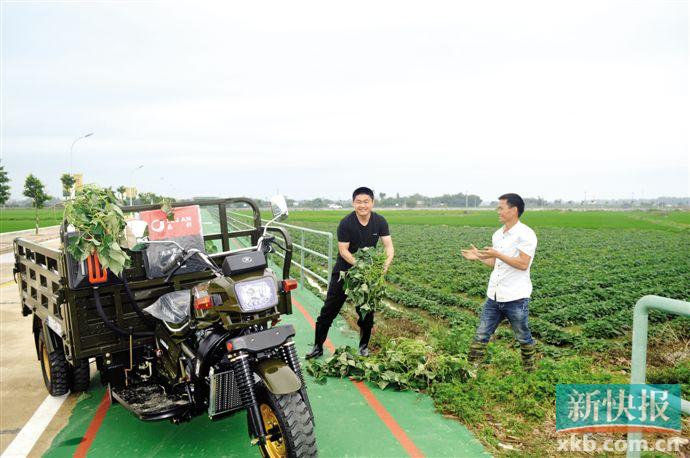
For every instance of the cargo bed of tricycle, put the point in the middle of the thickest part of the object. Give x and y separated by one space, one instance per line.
68 313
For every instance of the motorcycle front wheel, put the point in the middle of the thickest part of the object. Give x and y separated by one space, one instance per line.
288 424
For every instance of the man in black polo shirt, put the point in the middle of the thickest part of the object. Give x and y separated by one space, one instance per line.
361 228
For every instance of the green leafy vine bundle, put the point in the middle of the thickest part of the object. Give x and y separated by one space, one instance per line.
364 283
101 224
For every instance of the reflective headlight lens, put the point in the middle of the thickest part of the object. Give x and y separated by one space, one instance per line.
256 295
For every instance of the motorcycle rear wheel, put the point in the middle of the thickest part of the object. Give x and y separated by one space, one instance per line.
54 367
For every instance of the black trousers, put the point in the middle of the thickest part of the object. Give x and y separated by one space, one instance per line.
335 298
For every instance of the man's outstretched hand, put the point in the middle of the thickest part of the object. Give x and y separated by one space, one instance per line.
471 254
488 253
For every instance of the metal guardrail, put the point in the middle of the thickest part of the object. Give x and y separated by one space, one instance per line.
300 246
638 374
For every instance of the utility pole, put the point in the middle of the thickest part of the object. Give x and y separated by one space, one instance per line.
71 149
71 154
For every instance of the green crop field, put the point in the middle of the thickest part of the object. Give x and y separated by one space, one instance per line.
586 281
13 219
662 220
17 219
589 270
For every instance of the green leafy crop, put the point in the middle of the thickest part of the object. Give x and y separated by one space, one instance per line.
95 214
364 283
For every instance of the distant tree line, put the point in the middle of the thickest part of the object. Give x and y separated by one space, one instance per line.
37 198
413 201
34 190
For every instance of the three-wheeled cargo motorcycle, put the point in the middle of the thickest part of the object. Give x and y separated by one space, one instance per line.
182 331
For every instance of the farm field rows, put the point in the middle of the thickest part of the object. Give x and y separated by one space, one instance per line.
13 219
662 220
585 281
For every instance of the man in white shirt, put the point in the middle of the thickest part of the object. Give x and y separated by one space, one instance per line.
510 287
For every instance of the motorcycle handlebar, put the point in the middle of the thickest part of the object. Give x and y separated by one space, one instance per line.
173 262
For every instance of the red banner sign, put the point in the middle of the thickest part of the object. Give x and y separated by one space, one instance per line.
187 221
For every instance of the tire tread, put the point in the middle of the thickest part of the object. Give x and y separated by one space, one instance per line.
59 380
80 376
300 435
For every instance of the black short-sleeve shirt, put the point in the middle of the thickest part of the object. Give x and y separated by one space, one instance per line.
350 230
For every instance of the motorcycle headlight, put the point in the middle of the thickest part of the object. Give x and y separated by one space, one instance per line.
256 295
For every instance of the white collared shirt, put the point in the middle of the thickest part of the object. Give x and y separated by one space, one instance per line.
508 283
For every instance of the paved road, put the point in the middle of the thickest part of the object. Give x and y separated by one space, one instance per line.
21 383
44 233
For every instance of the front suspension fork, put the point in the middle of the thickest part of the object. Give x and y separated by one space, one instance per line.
290 357
245 384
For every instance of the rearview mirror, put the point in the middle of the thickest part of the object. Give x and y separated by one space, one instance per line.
279 207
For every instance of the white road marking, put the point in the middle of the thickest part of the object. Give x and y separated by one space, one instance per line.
33 429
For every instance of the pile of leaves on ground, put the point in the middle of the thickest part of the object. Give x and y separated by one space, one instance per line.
403 363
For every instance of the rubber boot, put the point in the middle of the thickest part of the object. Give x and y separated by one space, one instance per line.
320 335
477 353
528 352
364 336
366 325
315 352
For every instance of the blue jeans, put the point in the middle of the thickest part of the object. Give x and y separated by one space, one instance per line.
494 312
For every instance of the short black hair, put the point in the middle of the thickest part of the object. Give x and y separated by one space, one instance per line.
362 190
514 201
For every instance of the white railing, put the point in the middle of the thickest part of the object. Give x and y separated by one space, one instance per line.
239 224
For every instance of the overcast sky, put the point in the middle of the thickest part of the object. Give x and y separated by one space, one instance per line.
550 99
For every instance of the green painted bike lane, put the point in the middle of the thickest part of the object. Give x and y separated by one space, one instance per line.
431 433
346 423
